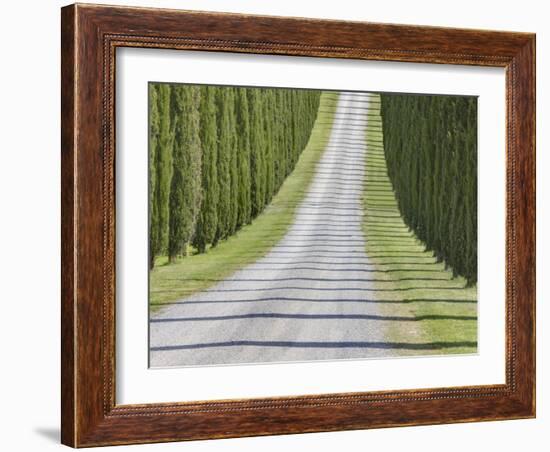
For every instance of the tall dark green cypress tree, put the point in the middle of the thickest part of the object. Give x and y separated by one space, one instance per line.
233 162
243 156
256 151
439 165
163 174
269 183
207 221
279 154
185 192
225 150
154 132
471 186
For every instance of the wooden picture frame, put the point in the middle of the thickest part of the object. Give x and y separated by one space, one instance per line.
90 36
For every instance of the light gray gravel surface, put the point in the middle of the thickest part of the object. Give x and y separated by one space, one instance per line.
308 298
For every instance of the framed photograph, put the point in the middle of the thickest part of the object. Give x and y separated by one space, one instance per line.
282 225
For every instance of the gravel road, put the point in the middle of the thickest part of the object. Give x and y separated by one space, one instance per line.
307 299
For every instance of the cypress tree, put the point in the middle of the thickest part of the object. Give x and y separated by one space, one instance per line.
163 174
280 154
294 125
256 151
225 150
471 195
268 149
233 161
284 118
185 193
207 221
154 132
439 166
243 156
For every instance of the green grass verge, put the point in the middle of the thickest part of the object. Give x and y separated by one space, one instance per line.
434 307
170 282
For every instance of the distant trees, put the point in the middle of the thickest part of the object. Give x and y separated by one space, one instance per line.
217 156
430 144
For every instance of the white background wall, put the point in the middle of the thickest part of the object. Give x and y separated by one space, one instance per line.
29 259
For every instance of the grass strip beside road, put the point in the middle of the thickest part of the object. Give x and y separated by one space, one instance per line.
441 309
170 282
